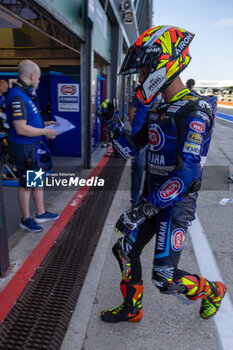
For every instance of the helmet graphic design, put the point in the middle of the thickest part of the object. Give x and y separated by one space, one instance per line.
165 50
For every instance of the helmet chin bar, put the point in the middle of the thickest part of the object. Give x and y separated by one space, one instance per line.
153 84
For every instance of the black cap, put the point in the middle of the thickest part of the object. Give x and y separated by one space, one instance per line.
190 83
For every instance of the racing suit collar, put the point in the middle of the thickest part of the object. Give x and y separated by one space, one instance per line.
179 95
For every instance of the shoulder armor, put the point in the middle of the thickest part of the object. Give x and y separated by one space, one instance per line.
199 105
201 108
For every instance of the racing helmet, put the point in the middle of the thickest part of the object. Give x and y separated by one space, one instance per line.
165 50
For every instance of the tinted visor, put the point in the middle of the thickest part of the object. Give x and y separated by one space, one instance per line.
138 56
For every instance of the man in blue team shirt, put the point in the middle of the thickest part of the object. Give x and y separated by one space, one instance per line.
26 131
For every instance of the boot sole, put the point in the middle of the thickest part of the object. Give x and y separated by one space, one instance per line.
28 229
39 221
136 318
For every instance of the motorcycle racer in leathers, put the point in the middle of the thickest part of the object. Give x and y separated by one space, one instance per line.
177 134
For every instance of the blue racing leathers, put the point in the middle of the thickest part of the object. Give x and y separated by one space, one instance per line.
178 135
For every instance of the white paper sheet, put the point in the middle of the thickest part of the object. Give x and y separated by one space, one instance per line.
62 125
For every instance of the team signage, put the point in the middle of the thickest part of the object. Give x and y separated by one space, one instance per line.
68 97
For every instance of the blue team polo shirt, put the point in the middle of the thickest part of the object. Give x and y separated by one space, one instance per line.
19 105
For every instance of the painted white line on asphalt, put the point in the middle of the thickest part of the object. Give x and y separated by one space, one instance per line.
225 117
209 269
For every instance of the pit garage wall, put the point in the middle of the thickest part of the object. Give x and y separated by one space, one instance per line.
69 12
97 22
83 17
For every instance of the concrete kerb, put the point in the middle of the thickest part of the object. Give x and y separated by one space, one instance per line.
76 333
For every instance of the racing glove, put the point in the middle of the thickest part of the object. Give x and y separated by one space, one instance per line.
109 116
131 219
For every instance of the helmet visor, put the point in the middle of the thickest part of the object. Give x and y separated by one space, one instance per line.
138 56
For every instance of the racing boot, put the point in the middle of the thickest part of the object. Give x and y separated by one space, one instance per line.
131 309
211 293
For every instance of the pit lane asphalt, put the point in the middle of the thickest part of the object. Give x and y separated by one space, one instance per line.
168 324
228 111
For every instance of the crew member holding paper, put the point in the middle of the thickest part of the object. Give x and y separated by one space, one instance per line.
26 130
